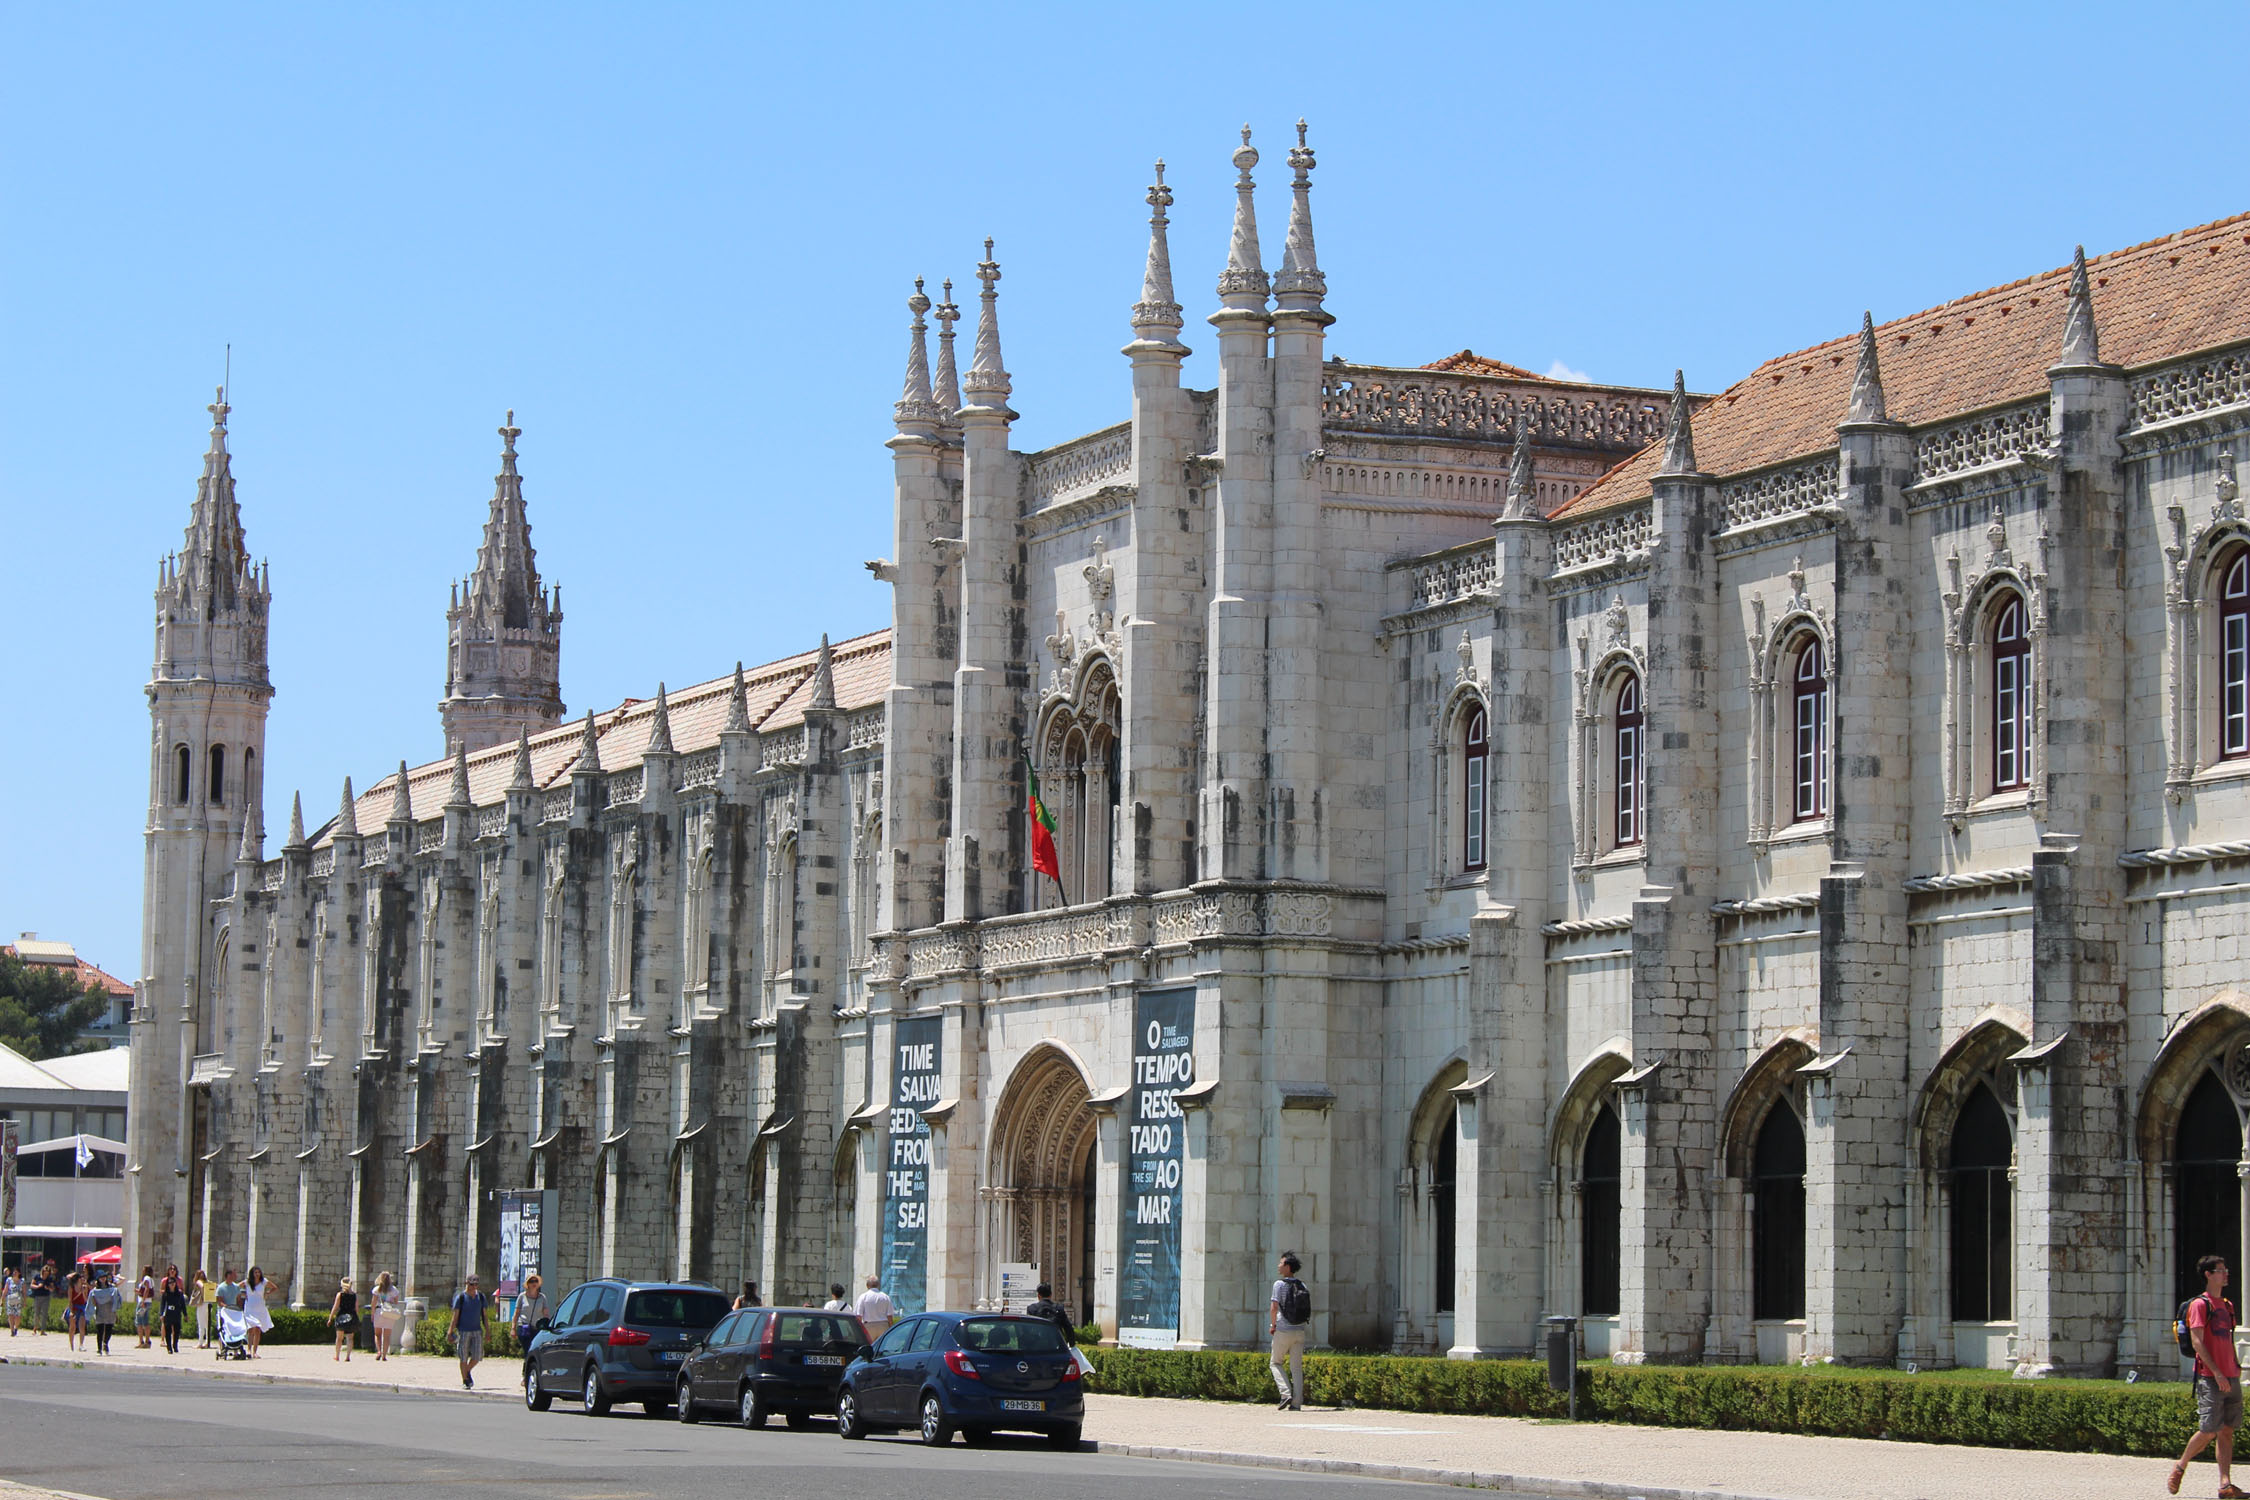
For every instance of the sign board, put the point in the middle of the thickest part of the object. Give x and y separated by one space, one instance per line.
527 1218
1163 1064
7 1174
1019 1284
906 1165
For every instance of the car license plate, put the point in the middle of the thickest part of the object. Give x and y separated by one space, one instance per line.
1023 1406
824 1359
670 1356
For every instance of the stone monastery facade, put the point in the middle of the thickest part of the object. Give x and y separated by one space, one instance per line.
1763 872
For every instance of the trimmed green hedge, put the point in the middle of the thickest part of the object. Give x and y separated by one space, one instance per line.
2072 1416
433 1335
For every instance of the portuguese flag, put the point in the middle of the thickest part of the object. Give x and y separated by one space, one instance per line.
1043 858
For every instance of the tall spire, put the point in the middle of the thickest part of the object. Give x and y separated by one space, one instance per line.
1300 266
253 836
660 732
521 779
457 791
987 376
503 663
823 676
1245 273
296 839
213 557
1156 317
2081 340
947 391
1522 500
738 706
1867 381
589 762
915 406
402 798
347 814
1679 435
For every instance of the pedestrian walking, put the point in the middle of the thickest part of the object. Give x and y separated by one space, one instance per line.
875 1309
230 1292
836 1301
343 1316
390 1309
102 1305
144 1305
172 1303
2218 1377
42 1296
74 1310
1054 1312
469 1308
749 1297
1289 1323
254 1308
11 1294
206 1294
531 1310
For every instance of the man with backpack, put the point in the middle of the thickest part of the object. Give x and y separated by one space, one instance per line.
2207 1324
1289 1321
1054 1312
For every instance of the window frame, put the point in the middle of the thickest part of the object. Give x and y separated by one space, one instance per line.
1809 759
215 790
1628 769
2010 655
1777 1224
2233 640
1601 1217
1476 753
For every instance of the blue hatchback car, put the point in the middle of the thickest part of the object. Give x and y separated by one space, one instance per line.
975 1373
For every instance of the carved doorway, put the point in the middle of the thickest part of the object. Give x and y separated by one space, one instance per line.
1041 1177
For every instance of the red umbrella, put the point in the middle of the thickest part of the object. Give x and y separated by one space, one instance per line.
104 1257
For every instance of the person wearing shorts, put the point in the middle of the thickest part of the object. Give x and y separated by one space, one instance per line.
2218 1378
469 1307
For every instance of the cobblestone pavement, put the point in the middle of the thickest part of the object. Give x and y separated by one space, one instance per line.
1496 1452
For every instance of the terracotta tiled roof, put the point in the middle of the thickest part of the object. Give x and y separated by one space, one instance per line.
85 973
776 694
1469 362
2153 302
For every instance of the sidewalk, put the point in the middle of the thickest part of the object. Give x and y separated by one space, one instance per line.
1496 1453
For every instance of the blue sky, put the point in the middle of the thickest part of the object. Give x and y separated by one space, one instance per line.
677 240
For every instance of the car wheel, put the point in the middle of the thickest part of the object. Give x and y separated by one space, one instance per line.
848 1425
1065 1438
594 1396
534 1398
683 1406
799 1420
936 1430
976 1437
753 1407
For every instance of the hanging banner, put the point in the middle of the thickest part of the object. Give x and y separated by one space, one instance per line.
906 1171
525 1217
1148 1293
7 1174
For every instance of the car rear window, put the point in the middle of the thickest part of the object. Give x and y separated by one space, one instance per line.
1010 1335
811 1328
674 1309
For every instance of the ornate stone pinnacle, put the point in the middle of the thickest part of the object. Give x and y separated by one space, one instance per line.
824 677
2081 340
347 814
947 391
1300 264
1867 381
521 780
296 839
988 269
988 376
402 797
1521 502
1156 317
1679 432
660 732
1245 274
219 409
457 791
589 762
915 405
738 706
1302 157
509 432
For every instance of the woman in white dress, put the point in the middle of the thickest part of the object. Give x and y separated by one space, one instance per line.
254 1308
389 1311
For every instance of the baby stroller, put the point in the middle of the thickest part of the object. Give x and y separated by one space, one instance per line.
234 1334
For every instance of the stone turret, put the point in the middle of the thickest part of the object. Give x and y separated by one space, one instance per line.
503 659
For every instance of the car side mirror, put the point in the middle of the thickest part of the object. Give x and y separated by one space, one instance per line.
542 1325
865 1351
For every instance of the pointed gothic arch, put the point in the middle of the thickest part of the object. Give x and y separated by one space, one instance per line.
1040 1165
1429 1243
1081 778
1586 1142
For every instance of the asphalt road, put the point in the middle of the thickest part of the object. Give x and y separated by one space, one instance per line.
183 1437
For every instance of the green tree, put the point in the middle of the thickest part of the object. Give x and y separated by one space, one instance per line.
44 1009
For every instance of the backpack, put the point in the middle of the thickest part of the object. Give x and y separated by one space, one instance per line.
1296 1302
2181 1329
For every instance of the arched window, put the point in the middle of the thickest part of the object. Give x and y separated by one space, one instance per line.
1444 1160
1777 1228
218 792
183 775
1811 773
2234 655
1600 1175
1983 1222
2207 1218
2011 696
1474 752
1630 757
249 777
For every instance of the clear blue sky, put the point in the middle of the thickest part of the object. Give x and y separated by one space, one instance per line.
677 240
